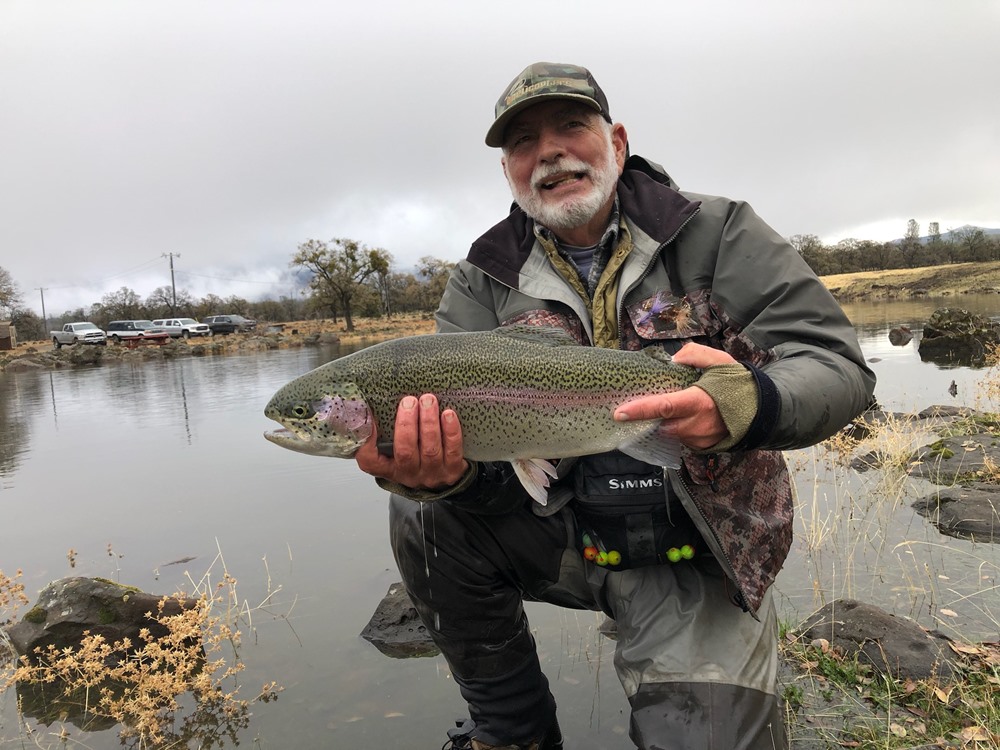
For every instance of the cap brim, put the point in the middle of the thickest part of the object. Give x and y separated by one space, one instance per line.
494 136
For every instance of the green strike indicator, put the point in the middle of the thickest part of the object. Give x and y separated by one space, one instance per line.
614 557
602 558
674 555
687 551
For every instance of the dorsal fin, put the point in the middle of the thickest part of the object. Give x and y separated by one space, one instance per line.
658 353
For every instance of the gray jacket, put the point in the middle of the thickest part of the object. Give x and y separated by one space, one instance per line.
705 269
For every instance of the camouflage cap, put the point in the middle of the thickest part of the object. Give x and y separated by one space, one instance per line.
541 81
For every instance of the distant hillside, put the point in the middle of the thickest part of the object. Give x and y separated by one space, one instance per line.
954 235
931 281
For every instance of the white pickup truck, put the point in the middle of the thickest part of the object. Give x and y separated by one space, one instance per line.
78 333
186 327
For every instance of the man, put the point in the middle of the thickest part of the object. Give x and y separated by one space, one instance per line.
604 246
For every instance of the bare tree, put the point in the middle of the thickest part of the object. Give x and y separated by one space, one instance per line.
10 295
160 302
338 270
435 273
124 303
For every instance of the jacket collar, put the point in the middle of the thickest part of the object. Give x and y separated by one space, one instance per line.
647 196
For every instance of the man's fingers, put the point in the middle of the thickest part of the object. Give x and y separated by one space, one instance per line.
699 355
647 407
451 438
430 428
405 446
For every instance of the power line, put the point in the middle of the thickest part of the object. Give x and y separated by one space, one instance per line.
94 282
223 278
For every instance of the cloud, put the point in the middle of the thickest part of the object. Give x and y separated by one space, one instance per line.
229 132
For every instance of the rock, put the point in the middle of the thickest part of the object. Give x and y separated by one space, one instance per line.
958 458
964 512
81 355
24 364
396 630
956 336
900 336
69 606
945 411
892 645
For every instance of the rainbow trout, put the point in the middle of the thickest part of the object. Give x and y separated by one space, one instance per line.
522 394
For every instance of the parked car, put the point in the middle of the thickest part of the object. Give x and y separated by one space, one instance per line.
78 333
186 327
229 323
121 330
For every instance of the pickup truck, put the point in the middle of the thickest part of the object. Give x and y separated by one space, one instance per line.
186 327
78 333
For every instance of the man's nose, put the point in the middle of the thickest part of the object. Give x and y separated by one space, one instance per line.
551 145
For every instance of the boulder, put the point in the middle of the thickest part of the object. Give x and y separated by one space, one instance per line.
68 607
959 458
396 630
964 512
958 337
900 335
892 645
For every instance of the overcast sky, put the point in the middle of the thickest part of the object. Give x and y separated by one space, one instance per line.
229 132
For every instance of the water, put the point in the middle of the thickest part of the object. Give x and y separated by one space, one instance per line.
136 466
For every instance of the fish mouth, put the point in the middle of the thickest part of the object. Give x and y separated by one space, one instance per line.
299 443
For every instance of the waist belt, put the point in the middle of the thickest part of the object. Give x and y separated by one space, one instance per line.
628 516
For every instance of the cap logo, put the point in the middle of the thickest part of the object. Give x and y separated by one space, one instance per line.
528 89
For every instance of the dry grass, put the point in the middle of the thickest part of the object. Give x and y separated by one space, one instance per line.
931 281
167 692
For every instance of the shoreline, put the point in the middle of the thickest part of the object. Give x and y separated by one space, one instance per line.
34 355
945 281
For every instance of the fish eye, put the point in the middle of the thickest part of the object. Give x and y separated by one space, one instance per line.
300 411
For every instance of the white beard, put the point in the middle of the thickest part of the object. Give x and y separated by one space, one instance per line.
575 211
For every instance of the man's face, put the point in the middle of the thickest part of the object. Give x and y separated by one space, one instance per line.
562 164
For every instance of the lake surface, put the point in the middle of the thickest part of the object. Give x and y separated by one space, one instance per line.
136 466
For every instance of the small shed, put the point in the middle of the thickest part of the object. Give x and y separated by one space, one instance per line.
8 336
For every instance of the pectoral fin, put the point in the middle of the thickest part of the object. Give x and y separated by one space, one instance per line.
654 447
534 474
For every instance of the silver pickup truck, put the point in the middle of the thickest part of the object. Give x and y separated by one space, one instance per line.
78 333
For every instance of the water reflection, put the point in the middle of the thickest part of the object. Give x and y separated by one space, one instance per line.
17 402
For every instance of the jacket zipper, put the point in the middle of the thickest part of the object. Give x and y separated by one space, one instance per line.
718 550
714 542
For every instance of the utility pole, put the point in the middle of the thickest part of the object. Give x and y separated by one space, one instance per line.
45 322
173 287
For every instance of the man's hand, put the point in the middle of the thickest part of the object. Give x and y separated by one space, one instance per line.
691 414
427 447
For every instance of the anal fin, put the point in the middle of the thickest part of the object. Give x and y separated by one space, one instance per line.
534 474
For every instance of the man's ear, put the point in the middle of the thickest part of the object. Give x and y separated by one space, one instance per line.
619 138
503 164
